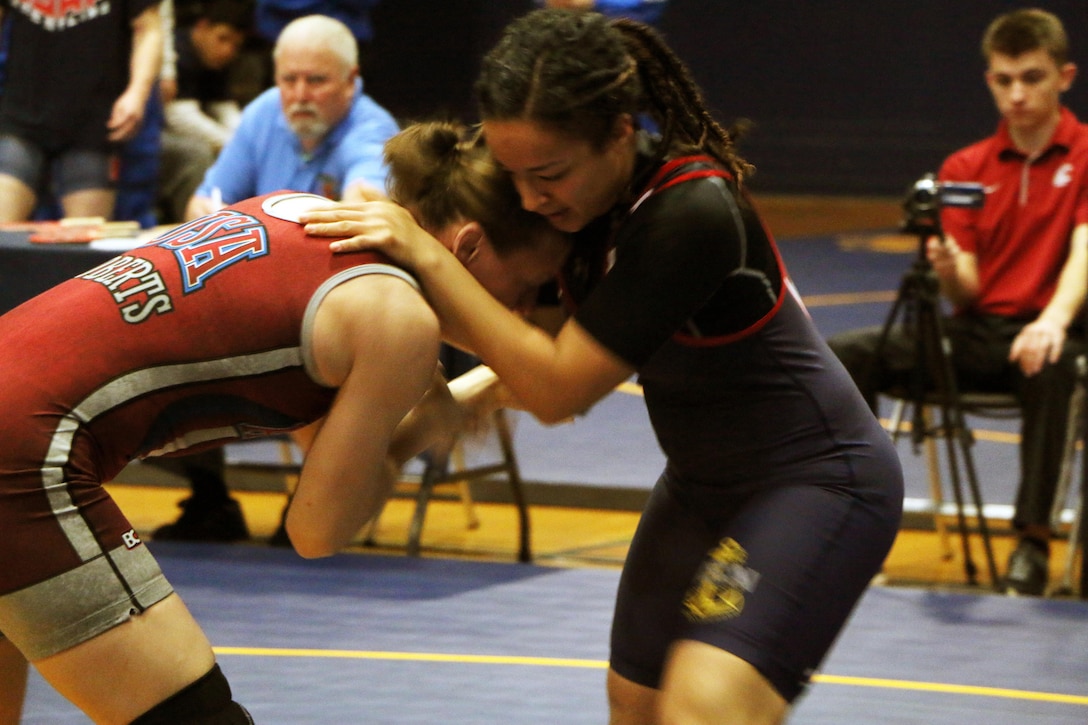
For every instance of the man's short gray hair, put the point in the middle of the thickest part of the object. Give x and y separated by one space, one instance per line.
320 32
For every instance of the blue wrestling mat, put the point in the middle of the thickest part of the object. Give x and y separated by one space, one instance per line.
391 640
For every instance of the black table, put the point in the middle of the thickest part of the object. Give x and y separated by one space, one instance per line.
28 269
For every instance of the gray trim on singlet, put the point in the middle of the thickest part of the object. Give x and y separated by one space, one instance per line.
323 291
118 392
46 618
72 607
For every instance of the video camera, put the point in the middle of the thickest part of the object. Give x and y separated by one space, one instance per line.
928 196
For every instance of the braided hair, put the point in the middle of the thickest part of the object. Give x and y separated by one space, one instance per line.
578 71
443 173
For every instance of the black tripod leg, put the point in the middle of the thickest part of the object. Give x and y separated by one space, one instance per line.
956 433
976 495
951 440
919 302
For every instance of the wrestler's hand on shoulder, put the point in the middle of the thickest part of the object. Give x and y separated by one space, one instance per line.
359 192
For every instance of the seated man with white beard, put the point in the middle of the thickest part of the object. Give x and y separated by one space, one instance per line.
314 131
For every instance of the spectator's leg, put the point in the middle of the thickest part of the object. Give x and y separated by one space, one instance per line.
210 513
21 168
184 161
86 181
1045 405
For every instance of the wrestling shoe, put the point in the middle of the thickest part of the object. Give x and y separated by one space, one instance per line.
221 521
1028 568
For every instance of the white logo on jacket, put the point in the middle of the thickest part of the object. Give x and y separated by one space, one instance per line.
1063 176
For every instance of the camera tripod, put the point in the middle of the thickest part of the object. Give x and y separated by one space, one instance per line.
932 381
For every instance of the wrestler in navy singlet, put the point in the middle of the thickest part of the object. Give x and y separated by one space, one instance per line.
782 494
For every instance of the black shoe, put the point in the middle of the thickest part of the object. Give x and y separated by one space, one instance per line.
1028 568
279 536
221 521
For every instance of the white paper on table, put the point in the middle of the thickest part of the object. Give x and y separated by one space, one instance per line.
117 244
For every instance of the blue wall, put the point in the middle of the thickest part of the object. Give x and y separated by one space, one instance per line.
849 97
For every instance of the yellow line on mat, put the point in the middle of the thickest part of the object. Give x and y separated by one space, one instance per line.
411 657
953 689
600 664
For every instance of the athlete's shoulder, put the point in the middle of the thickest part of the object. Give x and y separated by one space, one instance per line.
687 168
682 177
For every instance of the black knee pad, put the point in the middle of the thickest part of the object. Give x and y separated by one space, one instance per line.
205 702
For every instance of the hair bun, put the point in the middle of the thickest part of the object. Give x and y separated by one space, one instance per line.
443 138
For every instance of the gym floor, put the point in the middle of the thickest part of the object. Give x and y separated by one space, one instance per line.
464 634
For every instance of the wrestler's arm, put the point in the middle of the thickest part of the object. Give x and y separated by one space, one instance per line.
552 377
376 339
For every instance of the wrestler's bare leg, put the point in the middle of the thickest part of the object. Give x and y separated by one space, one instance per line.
701 685
124 672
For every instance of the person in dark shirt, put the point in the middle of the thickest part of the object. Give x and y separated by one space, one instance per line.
203 113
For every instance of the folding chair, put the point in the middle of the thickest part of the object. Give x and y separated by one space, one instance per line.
993 405
438 471
1006 406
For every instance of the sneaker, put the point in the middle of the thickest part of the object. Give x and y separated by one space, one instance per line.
222 522
1028 568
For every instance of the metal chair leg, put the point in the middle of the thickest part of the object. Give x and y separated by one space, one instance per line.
436 472
933 471
1074 435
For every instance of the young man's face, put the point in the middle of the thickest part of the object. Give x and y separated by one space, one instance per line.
1027 88
217 44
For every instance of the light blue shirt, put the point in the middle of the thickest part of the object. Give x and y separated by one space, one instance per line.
265 155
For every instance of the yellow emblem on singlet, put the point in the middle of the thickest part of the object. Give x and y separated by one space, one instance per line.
721 584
